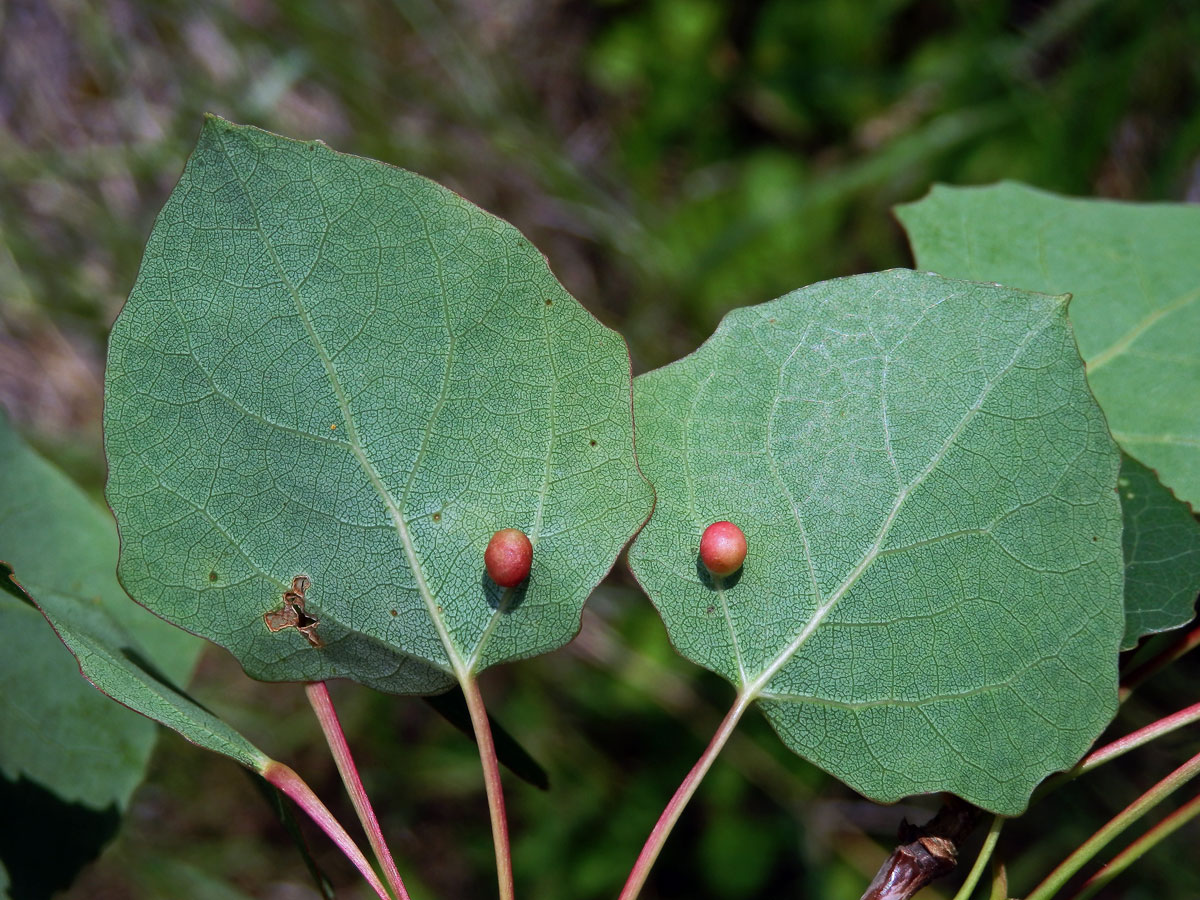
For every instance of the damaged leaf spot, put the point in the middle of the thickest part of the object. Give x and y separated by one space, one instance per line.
212 576
292 614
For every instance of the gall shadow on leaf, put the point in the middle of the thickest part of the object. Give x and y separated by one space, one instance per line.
502 600
706 577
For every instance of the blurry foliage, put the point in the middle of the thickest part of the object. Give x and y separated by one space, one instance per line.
674 159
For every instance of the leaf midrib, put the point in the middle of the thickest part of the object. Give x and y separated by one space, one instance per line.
755 688
455 658
1122 344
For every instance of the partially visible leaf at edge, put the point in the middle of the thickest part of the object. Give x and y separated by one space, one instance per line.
1133 272
96 642
337 369
932 595
54 728
1162 555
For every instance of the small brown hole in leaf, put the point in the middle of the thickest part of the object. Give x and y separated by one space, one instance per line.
711 610
437 517
394 613
592 442
549 302
212 576
279 619
291 614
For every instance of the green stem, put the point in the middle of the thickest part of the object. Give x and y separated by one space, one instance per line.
1093 845
981 861
1138 848
670 815
322 704
491 780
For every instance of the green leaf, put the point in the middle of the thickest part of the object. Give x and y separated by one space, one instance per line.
334 368
932 595
54 728
1162 555
107 661
1133 272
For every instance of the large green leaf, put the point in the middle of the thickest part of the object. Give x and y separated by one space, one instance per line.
54 728
334 368
932 595
1134 272
1162 555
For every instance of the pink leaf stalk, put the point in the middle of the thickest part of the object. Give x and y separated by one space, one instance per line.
293 785
322 704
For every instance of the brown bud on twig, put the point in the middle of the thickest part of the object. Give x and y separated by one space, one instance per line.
927 853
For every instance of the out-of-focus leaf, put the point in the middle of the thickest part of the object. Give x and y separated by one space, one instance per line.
336 369
45 840
1133 272
104 658
1162 555
932 595
54 728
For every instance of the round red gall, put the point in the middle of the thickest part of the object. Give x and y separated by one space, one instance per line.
508 557
722 548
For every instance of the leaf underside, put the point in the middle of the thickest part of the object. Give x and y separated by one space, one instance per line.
1132 270
932 595
334 368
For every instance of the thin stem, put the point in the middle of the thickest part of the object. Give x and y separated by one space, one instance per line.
1120 747
322 704
293 785
670 815
1138 848
1093 845
981 861
1186 643
1134 739
491 780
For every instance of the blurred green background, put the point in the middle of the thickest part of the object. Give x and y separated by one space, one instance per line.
673 159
